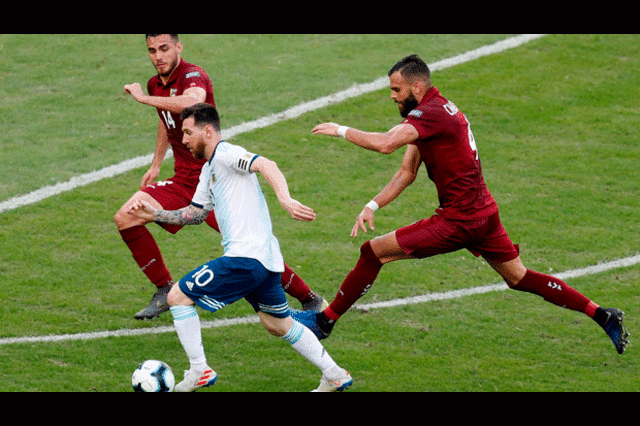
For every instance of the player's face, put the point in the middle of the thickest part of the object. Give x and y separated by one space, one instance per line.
164 53
401 94
193 138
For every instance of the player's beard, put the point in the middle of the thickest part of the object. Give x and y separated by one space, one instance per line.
172 66
198 151
408 105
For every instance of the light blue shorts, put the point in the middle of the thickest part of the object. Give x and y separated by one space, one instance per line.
226 280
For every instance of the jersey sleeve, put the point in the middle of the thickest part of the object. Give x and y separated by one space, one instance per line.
201 197
427 124
239 159
195 77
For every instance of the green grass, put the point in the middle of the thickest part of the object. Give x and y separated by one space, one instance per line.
555 121
63 96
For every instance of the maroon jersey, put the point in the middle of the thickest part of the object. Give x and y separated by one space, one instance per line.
448 150
187 168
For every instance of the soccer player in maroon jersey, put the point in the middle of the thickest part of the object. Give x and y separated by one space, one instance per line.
176 86
438 134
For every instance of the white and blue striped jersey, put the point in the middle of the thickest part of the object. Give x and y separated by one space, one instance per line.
227 187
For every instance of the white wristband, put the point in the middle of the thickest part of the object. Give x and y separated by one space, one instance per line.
372 205
342 131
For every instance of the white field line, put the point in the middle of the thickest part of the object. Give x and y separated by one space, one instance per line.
296 111
253 319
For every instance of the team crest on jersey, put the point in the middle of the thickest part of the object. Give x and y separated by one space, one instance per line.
172 92
212 198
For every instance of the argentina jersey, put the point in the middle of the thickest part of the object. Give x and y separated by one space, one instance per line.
227 187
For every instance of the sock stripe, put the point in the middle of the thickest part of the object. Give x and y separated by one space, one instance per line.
295 333
183 312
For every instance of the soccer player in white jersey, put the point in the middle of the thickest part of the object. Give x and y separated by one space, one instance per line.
252 262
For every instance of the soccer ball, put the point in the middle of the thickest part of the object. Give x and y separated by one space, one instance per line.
153 376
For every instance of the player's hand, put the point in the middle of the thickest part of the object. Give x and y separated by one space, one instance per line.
299 211
143 210
365 216
330 129
149 177
135 90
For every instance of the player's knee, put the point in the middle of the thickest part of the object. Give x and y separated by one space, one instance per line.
274 331
366 249
275 326
177 297
367 252
120 219
123 220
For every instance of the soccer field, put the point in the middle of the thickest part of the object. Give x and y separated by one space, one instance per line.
555 121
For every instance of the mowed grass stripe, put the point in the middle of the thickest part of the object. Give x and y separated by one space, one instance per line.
253 319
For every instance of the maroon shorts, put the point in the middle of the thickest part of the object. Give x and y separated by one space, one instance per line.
171 196
437 235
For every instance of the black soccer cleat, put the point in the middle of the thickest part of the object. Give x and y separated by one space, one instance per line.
157 306
615 329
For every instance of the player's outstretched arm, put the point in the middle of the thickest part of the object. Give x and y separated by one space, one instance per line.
190 215
175 104
276 179
385 143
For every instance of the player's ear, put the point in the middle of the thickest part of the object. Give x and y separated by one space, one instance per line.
179 47
211 132
418 88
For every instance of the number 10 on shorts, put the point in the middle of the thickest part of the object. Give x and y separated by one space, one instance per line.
203 277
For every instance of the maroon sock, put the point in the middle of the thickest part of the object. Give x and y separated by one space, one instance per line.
555 291
294 285
146 253
357 283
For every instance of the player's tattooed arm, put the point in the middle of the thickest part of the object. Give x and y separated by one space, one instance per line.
190 215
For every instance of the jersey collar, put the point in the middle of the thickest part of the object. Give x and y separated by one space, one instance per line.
431 93
214 151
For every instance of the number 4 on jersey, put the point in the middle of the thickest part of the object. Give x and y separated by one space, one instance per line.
168 119
472 140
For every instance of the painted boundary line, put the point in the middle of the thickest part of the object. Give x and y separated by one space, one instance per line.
253 319
296 111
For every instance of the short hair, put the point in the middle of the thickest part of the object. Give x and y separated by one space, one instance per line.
203 114
173 36
412 67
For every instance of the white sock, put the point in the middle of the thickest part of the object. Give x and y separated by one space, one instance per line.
307 344
187 323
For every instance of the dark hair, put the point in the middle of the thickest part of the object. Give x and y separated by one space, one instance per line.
412 67
173 36
203 114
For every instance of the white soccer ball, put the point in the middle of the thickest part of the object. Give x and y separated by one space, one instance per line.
153 376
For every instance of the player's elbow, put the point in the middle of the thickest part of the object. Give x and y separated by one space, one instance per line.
389 143
387 147
406 176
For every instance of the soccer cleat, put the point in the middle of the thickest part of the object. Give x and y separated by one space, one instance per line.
158 304
338 385
615 329
317 303
192 381
313 321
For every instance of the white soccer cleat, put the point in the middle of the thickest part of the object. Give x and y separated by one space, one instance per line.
342 383
192 381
